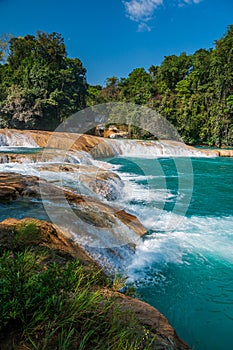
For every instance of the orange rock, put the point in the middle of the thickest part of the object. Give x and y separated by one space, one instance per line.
91 210
165 337
48 235
225 153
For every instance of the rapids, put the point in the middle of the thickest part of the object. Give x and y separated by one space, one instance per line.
184 265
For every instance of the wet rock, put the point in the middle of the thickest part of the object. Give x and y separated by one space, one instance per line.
63 140
46 234
225 153
89 210
156 324
8 193
48 155
101 181
98 179
96 146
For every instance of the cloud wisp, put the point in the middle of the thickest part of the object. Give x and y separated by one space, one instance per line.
142 11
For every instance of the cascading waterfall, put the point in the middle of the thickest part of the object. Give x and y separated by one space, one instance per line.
14 139
45 163
109 148
146 149
76 171
185 272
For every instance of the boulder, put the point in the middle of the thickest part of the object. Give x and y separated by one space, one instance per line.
165 337
225 152
89 210
46 234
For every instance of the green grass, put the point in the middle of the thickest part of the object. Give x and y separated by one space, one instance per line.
48 302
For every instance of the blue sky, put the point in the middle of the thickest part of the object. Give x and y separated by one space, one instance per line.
112 37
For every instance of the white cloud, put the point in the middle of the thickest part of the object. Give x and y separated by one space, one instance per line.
142 11
143 27
191 1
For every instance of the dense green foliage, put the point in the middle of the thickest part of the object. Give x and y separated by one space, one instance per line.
49 300
194 92
39 85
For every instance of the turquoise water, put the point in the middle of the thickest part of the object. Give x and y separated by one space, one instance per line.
19 150
23 208
184 266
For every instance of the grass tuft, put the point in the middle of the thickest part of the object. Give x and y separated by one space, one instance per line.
48 303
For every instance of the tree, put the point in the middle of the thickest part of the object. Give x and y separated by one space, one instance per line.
4 46
138 88
49 85
172 70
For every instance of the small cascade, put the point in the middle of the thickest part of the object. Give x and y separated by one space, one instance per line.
144 149
3 140
16 139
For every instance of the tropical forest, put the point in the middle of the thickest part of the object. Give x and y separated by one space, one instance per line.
40 86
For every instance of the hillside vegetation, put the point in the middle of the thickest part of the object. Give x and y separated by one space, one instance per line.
40 87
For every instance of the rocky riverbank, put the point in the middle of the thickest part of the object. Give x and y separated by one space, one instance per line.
33 234
16 187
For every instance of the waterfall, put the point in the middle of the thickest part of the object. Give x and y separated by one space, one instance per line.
3 140
99 147
16 139
144 149
72 162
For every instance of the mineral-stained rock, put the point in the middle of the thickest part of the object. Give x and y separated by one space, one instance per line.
92 211
48 155
98 179
7 193
96 146
101 181
47 234
165 337
217 152
225 152
62 140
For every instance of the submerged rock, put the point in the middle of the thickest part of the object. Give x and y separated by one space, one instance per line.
96 178
89 210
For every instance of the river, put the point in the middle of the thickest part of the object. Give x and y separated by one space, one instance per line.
184 265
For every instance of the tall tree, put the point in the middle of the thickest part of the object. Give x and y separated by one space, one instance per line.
138 87
44 84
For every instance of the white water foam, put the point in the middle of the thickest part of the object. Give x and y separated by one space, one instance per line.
152 149
134 192
15 139
77 157
203 237
168 246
